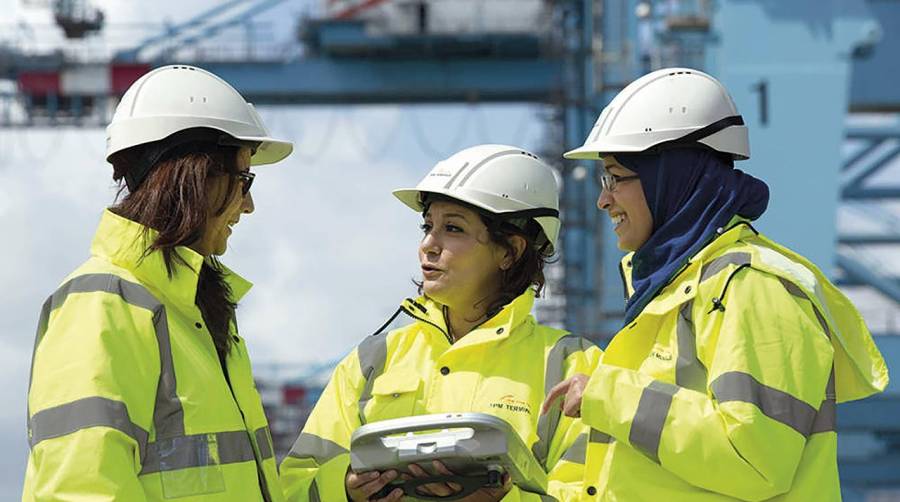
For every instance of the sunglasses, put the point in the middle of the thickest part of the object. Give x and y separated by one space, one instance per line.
246 178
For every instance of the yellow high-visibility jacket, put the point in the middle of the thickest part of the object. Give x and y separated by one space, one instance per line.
504 367
128 400
724 387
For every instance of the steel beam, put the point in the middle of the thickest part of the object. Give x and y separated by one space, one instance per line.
878 471
166 36
860 240
360 81
859 272
856 157
871 166
875 193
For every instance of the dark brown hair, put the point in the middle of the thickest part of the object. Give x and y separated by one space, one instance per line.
173 200
526 272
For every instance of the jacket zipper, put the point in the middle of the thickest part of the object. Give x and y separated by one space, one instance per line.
426 321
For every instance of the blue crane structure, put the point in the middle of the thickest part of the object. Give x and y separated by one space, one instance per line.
794 69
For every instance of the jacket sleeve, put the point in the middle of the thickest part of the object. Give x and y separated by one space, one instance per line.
769 362
317 464
90 399
566 453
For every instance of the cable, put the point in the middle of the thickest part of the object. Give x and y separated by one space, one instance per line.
360 139
329 129
427 147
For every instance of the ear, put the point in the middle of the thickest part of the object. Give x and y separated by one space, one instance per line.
518 244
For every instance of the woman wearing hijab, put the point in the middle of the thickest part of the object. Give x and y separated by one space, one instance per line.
490 219
723 381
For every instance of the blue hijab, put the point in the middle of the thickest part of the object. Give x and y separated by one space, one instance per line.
691 192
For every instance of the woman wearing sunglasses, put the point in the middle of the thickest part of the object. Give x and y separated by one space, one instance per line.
490 220
141 387
723 381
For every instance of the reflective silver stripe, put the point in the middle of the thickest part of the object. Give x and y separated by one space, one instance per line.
600 437
82 414
554 374
796 291
689 371
826 417
320 449
314 492
264 442
792 288
775 404
43 320
577 452
168 414
717 265
372 354
195 451
650 417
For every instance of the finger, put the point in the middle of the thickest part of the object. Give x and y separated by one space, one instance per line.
440 468
357 479
417 471
372 487
572 406
558 390
574 398
440 489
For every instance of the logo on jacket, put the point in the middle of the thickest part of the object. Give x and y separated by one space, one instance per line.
510 403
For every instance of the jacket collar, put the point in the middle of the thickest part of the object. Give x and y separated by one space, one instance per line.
731 233
123 242
509 318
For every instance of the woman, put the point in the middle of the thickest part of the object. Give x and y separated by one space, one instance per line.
490 222
722 384
141 387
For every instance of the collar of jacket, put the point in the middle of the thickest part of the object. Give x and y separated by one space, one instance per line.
509 318
123 243
683 286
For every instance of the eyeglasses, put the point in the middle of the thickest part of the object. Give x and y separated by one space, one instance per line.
609 181
247 180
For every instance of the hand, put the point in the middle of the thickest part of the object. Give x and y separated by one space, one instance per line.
360 486
445 489
571 389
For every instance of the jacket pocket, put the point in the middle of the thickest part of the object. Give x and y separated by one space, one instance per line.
190 465
393 395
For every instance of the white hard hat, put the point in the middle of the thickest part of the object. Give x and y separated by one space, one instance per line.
175 98
503 180
669 106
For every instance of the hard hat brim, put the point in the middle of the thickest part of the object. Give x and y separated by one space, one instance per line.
269 151
593 152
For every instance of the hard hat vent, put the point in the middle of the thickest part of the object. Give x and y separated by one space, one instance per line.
667 106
